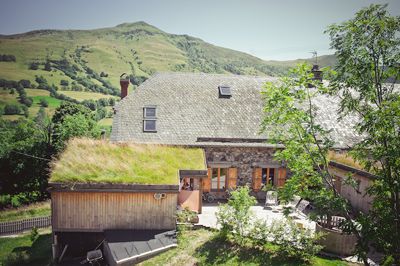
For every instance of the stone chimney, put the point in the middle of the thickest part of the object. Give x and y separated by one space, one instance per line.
124 82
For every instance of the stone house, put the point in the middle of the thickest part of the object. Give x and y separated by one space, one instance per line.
221 114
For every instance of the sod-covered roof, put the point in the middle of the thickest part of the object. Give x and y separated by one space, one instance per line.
100 161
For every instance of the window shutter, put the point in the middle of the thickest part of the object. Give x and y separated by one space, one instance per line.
232 178
257 178
281 177
207 181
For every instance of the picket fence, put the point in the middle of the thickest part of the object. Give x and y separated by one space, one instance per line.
7 228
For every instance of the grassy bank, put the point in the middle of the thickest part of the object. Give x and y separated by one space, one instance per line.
33 210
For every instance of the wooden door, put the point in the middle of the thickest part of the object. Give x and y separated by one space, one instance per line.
281 177
207 181
257 178
232 178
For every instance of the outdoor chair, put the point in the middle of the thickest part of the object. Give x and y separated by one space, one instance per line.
271 199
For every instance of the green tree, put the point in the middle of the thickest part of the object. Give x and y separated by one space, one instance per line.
290 119
12 109
72 120
368 53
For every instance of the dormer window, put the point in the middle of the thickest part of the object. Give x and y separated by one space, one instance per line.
224 91
149 119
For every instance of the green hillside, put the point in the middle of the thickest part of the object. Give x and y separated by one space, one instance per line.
76 63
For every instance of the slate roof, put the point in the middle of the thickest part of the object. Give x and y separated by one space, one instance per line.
128 247
188 107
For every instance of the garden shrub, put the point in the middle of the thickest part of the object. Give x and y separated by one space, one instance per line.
186 216
235 216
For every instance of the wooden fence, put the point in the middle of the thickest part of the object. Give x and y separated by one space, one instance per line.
14 227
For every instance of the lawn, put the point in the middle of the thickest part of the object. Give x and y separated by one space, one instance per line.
203 247
21 250
33 210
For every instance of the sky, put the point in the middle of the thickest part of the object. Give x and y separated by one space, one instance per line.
268 29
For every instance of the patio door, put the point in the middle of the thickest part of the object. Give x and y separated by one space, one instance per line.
220 179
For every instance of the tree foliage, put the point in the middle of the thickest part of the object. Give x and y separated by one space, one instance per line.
368 52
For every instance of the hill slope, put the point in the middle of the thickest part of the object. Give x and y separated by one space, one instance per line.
137 48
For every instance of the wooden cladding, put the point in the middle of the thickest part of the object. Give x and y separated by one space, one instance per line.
98 211
257 179
281 177
207 181
232 178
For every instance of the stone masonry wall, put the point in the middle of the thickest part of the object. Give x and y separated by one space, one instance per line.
244 157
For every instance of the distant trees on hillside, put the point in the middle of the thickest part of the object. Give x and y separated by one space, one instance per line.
7 58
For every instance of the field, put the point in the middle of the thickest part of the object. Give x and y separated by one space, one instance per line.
86 95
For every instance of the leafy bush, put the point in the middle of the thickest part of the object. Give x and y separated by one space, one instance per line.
34 234
34 66
64 82
186 216
25 83
28 101
5 201
235 216
294 242
7 58
43 102
12 109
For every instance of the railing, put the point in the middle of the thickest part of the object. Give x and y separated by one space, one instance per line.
14 227
336 221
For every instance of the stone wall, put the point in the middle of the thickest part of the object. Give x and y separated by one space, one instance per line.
244 158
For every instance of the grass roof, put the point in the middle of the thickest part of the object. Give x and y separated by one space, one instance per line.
100 161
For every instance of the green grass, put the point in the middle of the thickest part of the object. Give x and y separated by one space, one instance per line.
36 92
203 247
86 160
86 95
21 251
34 210
133 48
53 102
105 122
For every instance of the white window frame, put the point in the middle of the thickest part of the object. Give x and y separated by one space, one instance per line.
149 118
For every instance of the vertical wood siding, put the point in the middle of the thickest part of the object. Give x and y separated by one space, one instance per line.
358 199
97 211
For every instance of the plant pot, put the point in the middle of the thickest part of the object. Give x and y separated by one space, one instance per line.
336 242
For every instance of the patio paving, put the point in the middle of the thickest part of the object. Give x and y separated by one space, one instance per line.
208 216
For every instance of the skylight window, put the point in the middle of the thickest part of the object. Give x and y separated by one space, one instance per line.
224 91
149 119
